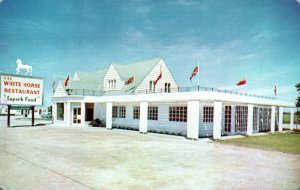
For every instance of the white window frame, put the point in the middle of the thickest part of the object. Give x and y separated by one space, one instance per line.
112 84
208 114
136 112
122 112
241 118
152 113
151 86
178 113
167 87
115 112
227 125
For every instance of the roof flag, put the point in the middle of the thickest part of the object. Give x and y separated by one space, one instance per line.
130 80
195 71
159 77
242 82
275 90
67 80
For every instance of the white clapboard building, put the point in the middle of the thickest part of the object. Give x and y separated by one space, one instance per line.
127 96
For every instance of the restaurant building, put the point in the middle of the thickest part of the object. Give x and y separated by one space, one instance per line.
144 96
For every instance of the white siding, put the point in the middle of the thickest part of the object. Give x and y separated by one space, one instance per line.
99 111
152 76
161 125
112 74
59 91
128 121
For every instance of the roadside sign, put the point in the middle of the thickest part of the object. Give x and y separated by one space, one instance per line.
21 90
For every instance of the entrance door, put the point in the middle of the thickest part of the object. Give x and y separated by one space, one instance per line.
76 115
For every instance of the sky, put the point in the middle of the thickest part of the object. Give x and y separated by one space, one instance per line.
230 39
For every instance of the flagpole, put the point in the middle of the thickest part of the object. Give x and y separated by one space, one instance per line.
198 75
246 86
133 82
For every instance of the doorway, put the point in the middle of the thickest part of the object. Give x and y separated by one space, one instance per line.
89 111
76 115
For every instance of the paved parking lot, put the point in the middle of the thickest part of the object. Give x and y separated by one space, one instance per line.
50 157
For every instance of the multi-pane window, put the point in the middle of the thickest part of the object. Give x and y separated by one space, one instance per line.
60 111
269 118
122 112
227 118
118 111
112 84
152 113
241 117
178 113
255 115
260 114
136 112
264 119
151 86
208 114
167 87
115 111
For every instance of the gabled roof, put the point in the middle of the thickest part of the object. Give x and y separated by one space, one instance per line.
94 80
139 69
87 80
92 76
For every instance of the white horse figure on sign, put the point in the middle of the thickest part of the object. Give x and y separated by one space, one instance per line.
21 66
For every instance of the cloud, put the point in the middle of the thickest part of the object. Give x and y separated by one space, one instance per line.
185 2
1 1
298 1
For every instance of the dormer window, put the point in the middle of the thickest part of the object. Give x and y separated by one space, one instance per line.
167 87
112 84
151 86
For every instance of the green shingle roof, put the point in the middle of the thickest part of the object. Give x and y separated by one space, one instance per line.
93 76
88 80
94 80
139 69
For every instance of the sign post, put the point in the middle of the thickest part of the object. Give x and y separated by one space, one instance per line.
32 116
8 115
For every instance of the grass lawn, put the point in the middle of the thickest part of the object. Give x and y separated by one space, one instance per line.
282 142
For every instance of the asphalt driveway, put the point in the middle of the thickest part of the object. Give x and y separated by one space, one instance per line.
50 157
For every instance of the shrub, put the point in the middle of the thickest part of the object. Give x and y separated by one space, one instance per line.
97 123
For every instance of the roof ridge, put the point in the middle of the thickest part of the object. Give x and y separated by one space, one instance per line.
141 61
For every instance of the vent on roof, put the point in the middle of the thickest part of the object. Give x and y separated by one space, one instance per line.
76 77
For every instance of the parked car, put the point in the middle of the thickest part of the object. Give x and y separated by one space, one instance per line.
47 116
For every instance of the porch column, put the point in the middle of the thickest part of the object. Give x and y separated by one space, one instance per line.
68 113
143 117
54 111
280 123
109 115
232 130
82 113
193 120
217 124
292 119
273 110
250 120
65 112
